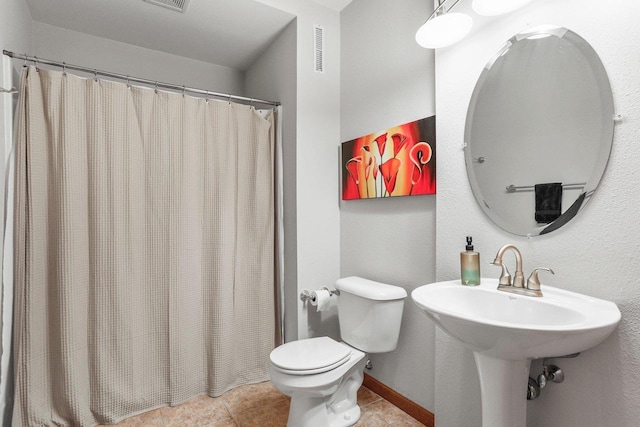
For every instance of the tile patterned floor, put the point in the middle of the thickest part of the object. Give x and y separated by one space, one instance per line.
260 405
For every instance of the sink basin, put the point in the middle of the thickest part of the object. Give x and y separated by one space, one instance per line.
506 331
511 326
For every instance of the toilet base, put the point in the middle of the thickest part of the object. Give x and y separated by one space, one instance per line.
339 409
312 412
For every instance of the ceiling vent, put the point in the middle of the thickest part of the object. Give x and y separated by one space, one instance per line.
318 48
177 5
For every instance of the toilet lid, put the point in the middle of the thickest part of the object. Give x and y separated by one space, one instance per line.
309 356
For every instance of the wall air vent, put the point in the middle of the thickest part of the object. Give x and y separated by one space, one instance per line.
177 5
318 48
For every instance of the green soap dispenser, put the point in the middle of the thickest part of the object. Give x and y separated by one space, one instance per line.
470 265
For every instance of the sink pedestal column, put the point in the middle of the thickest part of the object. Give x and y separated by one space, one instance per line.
503 385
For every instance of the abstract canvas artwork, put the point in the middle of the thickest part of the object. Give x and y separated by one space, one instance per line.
399 161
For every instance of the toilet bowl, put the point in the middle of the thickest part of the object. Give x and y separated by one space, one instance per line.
322 376
315 400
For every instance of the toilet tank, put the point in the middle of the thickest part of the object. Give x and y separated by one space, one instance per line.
370 314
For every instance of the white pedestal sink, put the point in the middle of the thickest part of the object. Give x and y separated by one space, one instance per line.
506 331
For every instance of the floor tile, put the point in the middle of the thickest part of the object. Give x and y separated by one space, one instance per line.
199 412
274 414
260 405
226 423
392 414
252 396
366 396
150 419
370 419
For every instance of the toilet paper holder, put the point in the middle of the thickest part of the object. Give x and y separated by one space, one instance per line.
305 295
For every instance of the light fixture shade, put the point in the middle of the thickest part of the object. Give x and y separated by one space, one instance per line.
497 7
444 30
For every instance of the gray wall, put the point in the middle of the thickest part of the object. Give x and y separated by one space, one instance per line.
595 254
388 80
15 36
15 26
316 158
273 76
96 52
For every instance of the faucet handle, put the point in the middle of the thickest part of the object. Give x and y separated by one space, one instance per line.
505 276
533 283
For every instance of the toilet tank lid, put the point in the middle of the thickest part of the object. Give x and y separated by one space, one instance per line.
369 289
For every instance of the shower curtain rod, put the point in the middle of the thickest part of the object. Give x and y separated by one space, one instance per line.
153 83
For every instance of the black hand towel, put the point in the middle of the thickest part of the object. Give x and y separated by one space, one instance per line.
548 202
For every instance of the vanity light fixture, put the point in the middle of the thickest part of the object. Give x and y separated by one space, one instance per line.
496 7
443 28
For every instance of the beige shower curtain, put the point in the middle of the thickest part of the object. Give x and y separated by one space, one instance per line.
144 253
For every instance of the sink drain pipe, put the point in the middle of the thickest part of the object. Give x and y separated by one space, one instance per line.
549 373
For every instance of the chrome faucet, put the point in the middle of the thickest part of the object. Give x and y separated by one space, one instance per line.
505 277
518 287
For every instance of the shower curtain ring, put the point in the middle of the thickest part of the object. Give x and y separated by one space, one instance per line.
64 68
251 103
156 89
35 62
229 96
128 84
95 75
183 90
25 61
206 98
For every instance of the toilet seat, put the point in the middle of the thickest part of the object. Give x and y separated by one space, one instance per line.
310 356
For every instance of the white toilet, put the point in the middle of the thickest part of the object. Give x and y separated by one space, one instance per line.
323 376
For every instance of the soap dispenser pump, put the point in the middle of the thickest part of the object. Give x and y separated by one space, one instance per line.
470 265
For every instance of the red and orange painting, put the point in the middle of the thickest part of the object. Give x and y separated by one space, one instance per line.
399 161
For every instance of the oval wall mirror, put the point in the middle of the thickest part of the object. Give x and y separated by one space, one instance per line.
539 130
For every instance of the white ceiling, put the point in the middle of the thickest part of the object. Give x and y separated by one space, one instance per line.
334 4
224 32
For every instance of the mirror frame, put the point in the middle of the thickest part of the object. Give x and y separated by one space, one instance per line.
604 148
